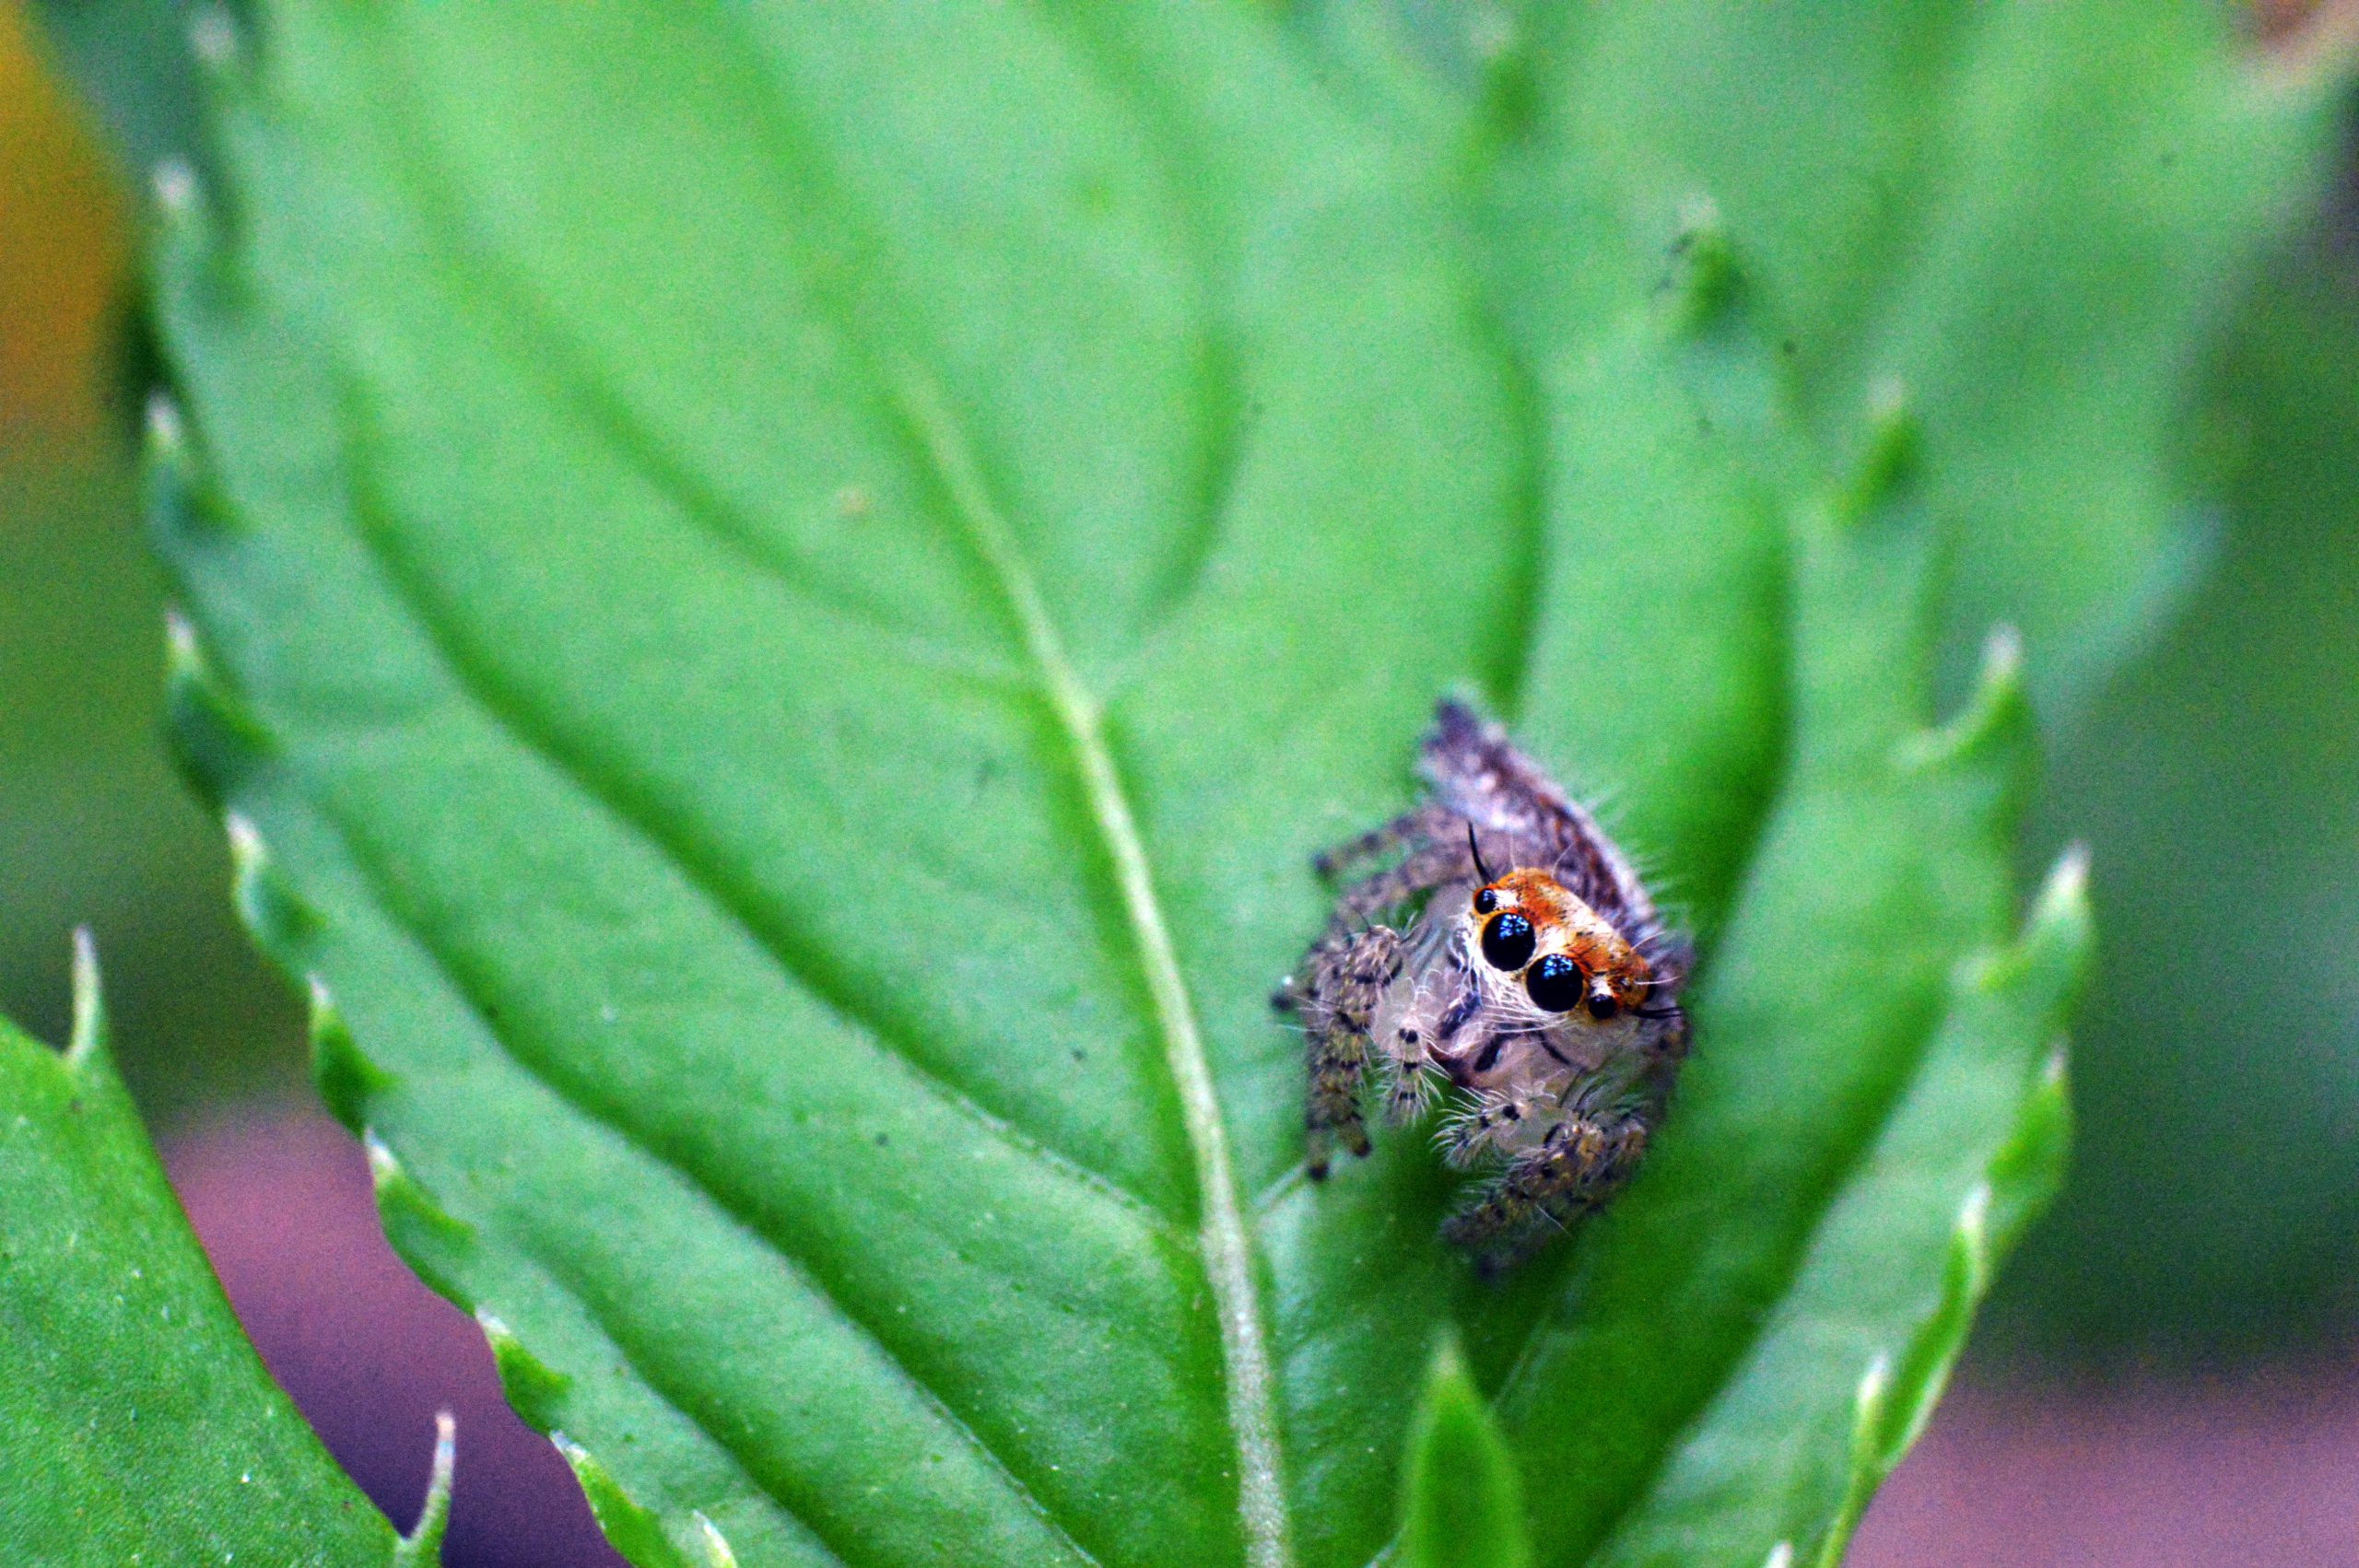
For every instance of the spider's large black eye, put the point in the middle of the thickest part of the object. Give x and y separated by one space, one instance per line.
1507 940
1485 900
1555 984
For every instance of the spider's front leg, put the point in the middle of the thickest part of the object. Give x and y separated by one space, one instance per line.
1578 1167
1430 863
1343 981
1416 827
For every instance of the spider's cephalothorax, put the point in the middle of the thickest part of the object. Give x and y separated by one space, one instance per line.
1540 1000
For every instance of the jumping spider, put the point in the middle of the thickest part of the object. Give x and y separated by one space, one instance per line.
1542 1002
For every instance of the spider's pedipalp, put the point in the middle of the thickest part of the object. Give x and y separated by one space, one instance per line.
1410 1092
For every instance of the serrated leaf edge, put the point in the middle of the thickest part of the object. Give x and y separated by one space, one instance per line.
1896 1394
281 921
268 904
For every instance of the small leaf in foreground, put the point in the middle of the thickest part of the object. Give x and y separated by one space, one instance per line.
137 1424
1462 1502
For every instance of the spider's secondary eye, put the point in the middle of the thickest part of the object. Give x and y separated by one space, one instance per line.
1555 984
1507 940
1601 1006
1485 900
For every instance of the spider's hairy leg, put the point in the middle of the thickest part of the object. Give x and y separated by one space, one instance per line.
1431 864
1345 978
1579 1166
1413 827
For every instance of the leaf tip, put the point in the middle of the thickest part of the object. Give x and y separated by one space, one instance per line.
1869 1397
271 909
88 1041
1889 455
182 658
216 741
384 1167
422 1547
2063 899
167 432
1707 281
2003 656
173 184
533 1387
429 1237
345 1079
717 1550
1971 1233
1462 1494
183 508
2056 1072
1993 729
635 1531
2052 951
213 39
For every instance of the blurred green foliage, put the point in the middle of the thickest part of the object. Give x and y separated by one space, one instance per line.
2215 1197
132 61
96 826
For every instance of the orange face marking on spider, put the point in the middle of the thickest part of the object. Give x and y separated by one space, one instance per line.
1567 955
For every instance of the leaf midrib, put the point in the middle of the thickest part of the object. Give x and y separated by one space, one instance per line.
1223 1234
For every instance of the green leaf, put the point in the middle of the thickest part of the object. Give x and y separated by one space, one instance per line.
1464 1501
137 1423
777 603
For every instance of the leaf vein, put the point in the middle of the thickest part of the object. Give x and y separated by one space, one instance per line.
797 1262
700 506
840 1002
1225 1238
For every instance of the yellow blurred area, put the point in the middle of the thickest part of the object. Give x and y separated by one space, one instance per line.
62 250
